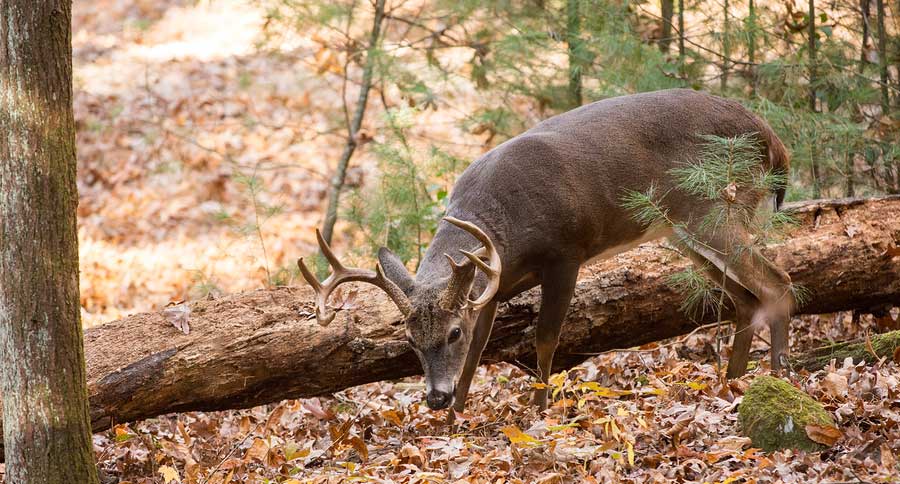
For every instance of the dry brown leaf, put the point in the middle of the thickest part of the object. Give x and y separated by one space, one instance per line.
179 316
257 451
411 455
274 418
835 385
359 446
393 417
825 435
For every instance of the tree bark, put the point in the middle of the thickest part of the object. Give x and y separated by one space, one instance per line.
45 405
882 58
813 80
667 10
253 348
726 46
575 51
751 45
340 171
681 50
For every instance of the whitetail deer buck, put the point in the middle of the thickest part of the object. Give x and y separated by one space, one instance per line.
534 209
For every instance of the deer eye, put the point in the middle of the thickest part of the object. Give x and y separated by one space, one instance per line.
455 334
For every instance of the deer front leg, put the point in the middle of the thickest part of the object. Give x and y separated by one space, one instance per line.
743 339
557 288
481 333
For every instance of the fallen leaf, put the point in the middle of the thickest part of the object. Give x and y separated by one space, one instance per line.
835 385
257 451
822 434
411 455
169 474
179 316
393 417
359 445
516 436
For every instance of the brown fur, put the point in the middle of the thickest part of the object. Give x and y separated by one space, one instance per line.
550 199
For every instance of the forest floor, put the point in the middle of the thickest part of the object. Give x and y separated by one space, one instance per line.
179 112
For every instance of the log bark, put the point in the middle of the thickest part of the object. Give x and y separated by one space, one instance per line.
257 347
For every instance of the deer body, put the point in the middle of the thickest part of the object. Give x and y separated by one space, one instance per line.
548 201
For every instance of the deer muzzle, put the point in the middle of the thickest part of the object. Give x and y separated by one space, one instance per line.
438 399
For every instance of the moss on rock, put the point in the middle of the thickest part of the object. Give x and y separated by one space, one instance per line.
774 415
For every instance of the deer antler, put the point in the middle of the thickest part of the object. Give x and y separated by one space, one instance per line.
340 275
492 268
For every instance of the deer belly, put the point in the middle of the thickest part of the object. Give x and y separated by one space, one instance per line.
608 252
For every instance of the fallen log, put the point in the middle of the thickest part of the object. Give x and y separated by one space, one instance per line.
877 346
258 347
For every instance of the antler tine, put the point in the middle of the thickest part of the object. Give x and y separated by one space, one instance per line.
478 262
492 268
326 251
323 315
340 275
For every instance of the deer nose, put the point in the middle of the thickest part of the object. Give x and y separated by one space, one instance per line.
438 400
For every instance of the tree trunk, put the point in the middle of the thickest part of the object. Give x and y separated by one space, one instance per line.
882 58
681 50
667 8
751 45
859 116
340 172
45 406
726 46
575 51
813 80
258 347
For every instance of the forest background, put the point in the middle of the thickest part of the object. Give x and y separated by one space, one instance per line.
207 155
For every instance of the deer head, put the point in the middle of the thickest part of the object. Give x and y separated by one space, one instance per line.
439 314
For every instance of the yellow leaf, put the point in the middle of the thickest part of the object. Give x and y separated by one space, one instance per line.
589 386
693 385
291 481
169 474
630 448
293 451
592 386
558 379
516 436
655 391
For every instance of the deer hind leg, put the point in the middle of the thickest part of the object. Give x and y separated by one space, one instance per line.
745 305
480 335
557 288
761 292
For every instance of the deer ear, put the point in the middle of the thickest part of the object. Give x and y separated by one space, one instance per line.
395 270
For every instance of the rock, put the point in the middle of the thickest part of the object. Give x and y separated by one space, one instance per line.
775 415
